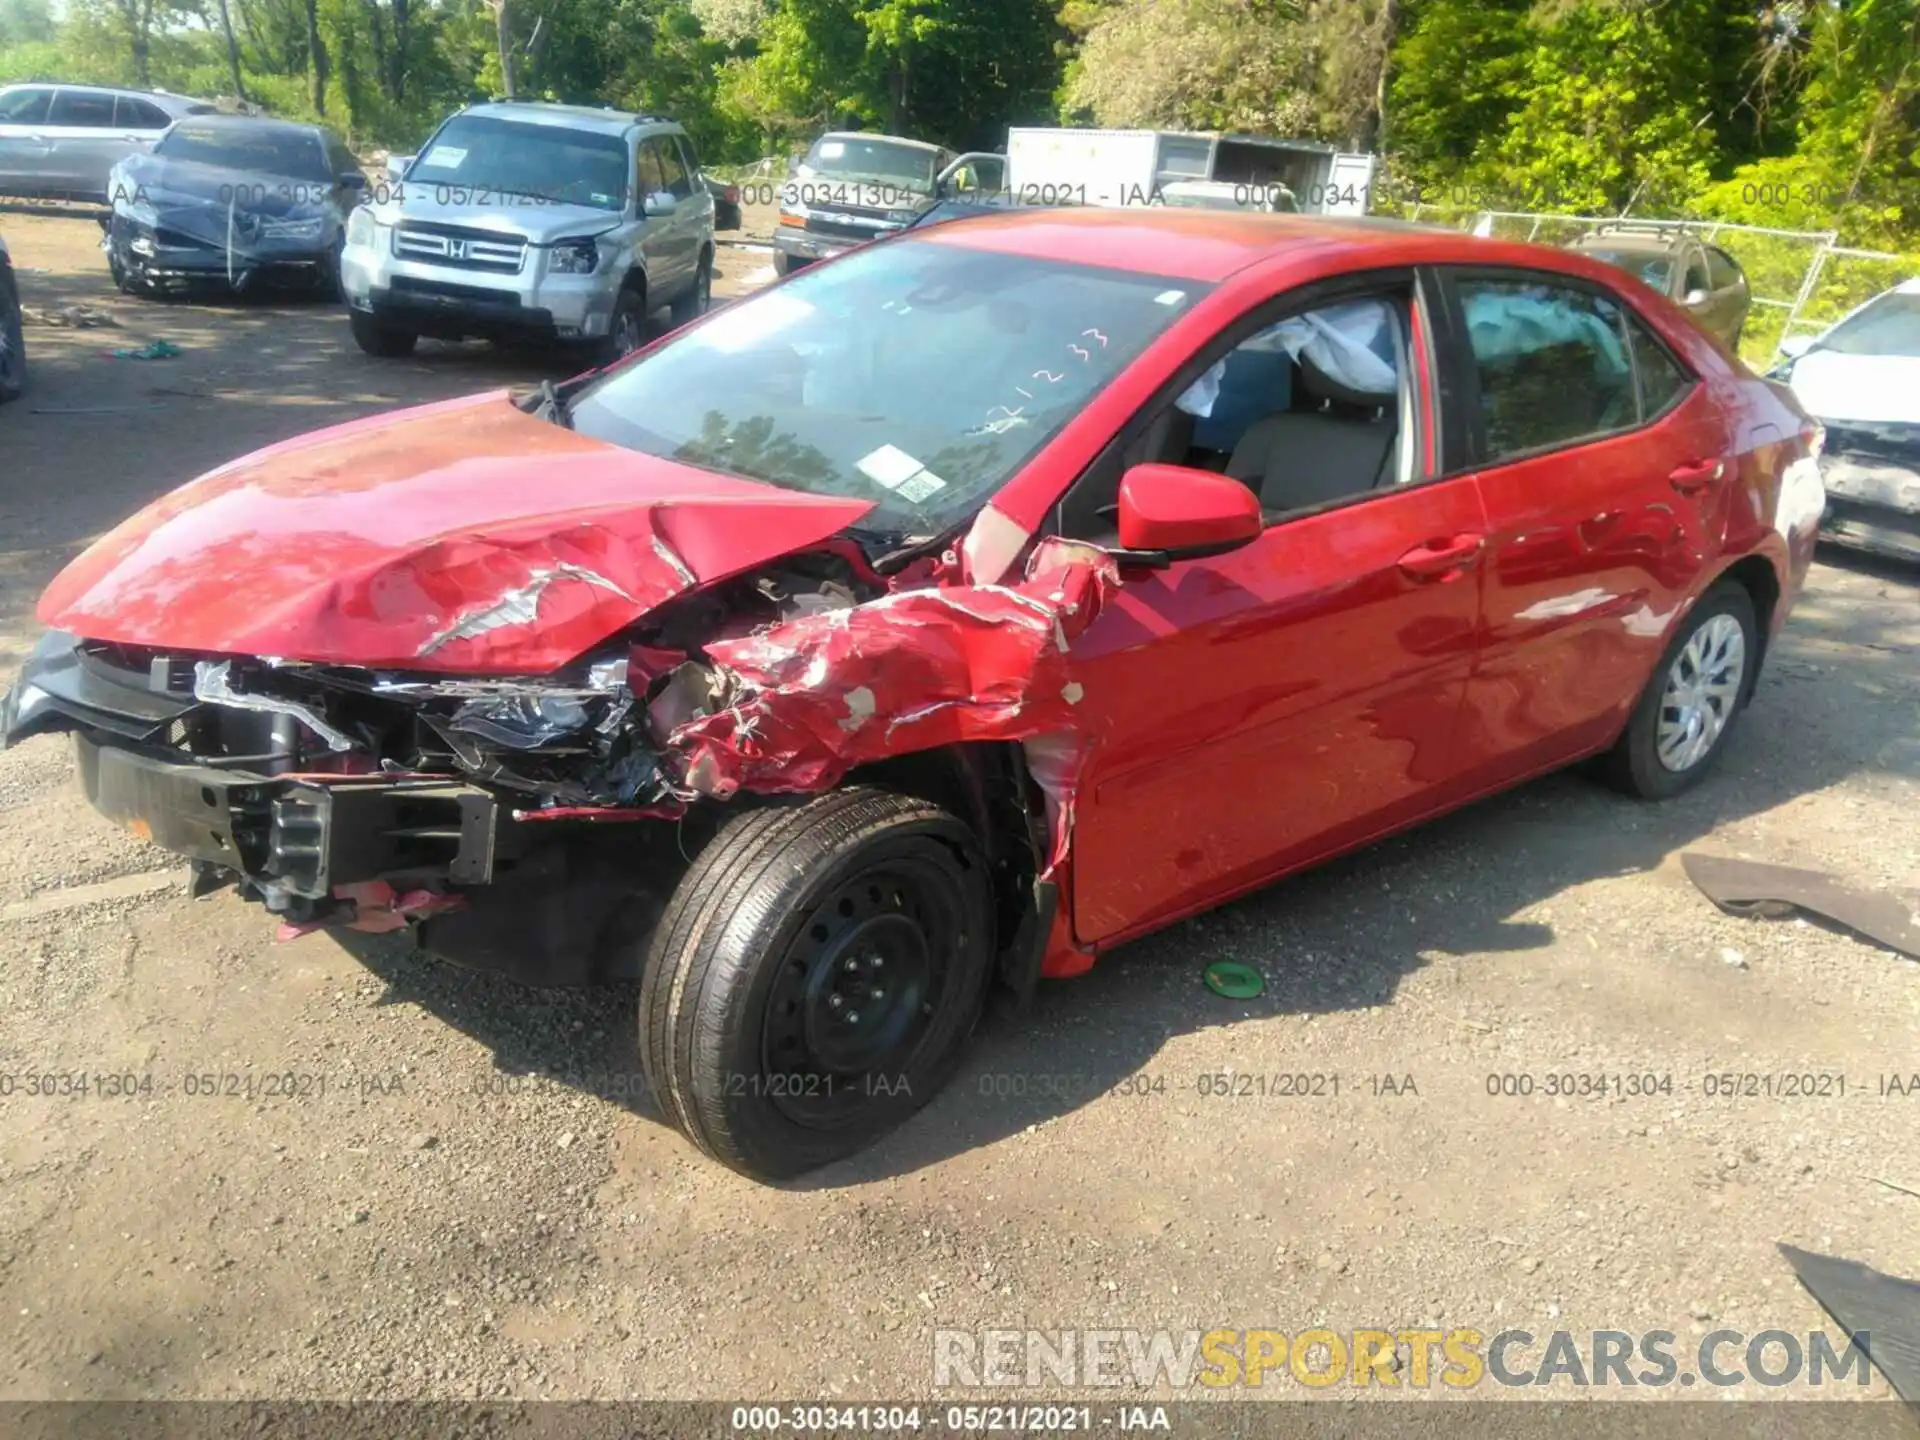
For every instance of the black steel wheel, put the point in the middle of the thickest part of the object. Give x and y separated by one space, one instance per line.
815 977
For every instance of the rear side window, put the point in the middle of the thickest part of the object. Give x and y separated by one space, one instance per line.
1552 367
82 111
132 113
1662 381
1721 270
672 169
24 107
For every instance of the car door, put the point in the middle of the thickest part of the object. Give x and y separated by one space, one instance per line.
659 245
1605 467
1261 709
83 143
693 210
24 146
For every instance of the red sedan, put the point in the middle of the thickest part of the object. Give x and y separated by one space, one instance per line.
938 619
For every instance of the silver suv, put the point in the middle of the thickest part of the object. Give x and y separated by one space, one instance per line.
532 223
59 141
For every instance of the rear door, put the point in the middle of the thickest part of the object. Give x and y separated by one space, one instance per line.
84 143
1606 471
24 146
674 238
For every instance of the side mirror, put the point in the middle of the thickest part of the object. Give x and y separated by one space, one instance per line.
1792 347
1169 513
661 202
397 167
1695 299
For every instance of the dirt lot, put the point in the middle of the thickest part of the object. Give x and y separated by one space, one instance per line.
445 1219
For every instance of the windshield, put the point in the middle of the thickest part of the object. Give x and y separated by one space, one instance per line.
477 154
851 157
233 147
1653 270
914 374
1889 325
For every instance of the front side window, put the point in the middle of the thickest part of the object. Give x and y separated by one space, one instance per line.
482 153
1889 325
26 106
1551 364
261 151
80 110
914 374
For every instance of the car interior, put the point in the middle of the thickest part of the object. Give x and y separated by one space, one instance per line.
1307 411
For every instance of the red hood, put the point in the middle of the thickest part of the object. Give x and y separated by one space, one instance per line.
461 537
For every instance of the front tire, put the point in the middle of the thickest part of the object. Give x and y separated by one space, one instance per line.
1681 722
381 340
815 978
626 327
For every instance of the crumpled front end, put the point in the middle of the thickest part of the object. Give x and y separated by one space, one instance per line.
514 813
1872 478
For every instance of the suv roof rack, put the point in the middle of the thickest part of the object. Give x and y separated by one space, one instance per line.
1642 227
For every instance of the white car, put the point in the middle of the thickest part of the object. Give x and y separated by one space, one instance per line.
1861 379
13 349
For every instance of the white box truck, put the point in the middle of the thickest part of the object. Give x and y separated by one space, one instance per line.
1058 166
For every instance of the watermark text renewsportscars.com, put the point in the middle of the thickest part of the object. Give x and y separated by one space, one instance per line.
1415 1358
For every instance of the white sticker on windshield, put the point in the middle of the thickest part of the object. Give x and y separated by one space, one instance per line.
1169 297
445 157
889 466
832 149
746 323
921 486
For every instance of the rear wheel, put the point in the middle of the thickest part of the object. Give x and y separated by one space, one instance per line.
693 304
1681 722
815 977
13 345
785 264
377 339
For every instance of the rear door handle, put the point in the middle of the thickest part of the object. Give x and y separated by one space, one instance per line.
1443 557
1689 479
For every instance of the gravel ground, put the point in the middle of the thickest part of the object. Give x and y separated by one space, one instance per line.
467 1194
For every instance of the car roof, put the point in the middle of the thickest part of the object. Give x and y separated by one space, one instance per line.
604 120
1634 237
1210 245
165 99
876 135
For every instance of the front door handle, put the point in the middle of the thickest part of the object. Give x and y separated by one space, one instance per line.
1438 558
1690 479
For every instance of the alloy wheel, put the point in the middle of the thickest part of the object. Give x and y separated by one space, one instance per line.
1703 688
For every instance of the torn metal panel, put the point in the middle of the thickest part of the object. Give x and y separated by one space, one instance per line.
521 604
1745 887
212 683
1880 1313
912 670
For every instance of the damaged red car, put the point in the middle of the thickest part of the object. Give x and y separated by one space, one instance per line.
938 619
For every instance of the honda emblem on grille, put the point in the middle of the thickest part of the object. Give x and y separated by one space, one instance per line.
456 249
